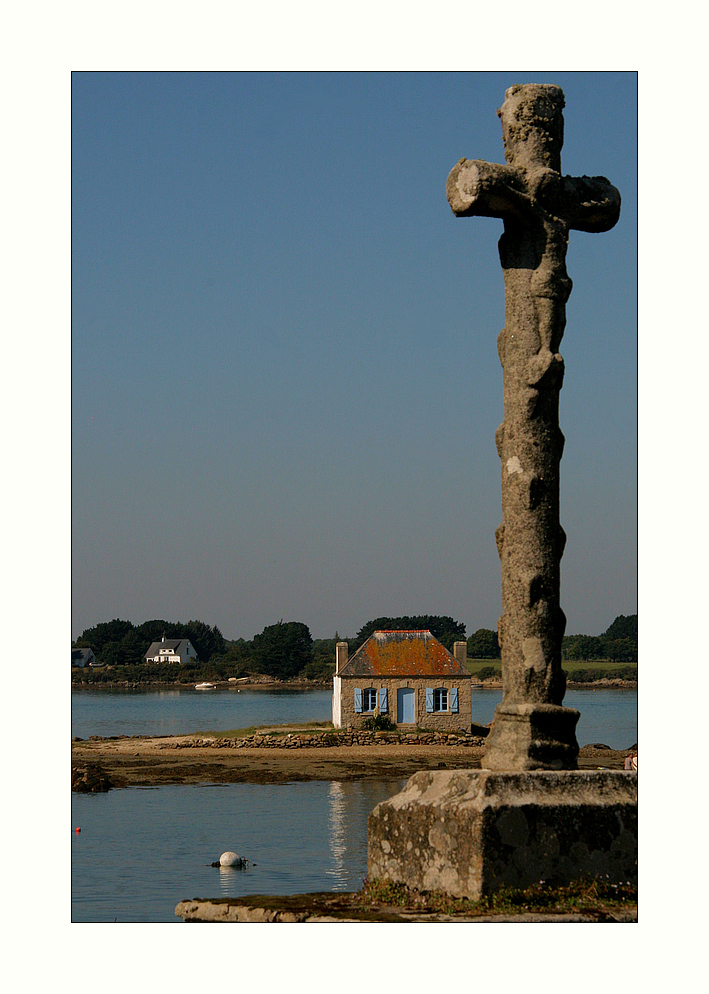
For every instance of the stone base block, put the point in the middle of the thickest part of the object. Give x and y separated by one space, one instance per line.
532 737
469 833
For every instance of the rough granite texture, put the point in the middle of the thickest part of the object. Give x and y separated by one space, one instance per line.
538 206
469 833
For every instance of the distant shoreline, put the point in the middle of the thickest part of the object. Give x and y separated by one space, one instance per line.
605 683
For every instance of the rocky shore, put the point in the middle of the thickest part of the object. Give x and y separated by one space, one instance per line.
100 764
347 908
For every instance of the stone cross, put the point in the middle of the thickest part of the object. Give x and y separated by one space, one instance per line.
531 729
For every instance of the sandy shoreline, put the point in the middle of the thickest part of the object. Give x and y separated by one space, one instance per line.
154 761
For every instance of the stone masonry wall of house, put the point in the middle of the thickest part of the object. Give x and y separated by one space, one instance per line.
438 721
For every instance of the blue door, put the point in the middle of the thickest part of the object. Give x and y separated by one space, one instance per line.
405 706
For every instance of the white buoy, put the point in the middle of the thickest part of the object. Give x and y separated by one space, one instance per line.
229 859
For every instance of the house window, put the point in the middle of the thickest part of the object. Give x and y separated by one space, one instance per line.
369 699
440 699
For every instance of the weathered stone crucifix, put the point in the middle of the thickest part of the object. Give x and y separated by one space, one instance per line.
531 729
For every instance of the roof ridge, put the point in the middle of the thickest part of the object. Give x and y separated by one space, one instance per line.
403 631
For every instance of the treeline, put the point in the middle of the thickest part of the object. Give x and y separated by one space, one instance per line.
121 643
442 627
287 650
284 650
619 643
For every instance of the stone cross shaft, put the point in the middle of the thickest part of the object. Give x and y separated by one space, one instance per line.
538 205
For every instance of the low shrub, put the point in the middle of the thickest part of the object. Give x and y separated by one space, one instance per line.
379 723
318 669
588 674
168 673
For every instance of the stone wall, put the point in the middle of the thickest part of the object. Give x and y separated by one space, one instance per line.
441 721
326 740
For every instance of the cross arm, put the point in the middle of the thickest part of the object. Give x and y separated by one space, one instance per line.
485 189
591 203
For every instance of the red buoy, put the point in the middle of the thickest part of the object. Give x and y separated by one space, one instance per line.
78 829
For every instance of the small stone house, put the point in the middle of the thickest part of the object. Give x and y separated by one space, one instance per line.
407 675
171 651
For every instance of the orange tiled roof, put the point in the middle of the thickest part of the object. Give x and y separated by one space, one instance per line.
403 653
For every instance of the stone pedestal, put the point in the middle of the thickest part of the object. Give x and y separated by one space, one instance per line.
469 833
532 737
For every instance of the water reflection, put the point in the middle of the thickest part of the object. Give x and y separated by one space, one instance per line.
231 880
180 712
338 845
349 805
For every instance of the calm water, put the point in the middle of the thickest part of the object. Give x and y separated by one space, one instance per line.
179 712
607 715
140 851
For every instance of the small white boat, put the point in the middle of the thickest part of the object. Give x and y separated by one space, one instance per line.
205 686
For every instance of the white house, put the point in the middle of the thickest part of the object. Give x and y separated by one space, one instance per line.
171 651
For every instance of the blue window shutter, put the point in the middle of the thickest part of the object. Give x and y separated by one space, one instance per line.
454 699
429 699
383 700
358 699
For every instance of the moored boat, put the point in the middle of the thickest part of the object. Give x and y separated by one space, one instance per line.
205 686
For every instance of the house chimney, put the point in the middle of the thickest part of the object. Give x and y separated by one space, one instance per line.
341 651
163 638
460 651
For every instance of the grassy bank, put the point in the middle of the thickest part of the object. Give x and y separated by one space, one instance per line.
577 671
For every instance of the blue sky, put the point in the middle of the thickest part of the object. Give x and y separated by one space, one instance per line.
285 382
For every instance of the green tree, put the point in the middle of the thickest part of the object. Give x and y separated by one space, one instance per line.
153 631
442 627
620 640
583 647
483 644
624 627
236 660
619 650
283 650
120 643
207 641
102 635
128 652
238 651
